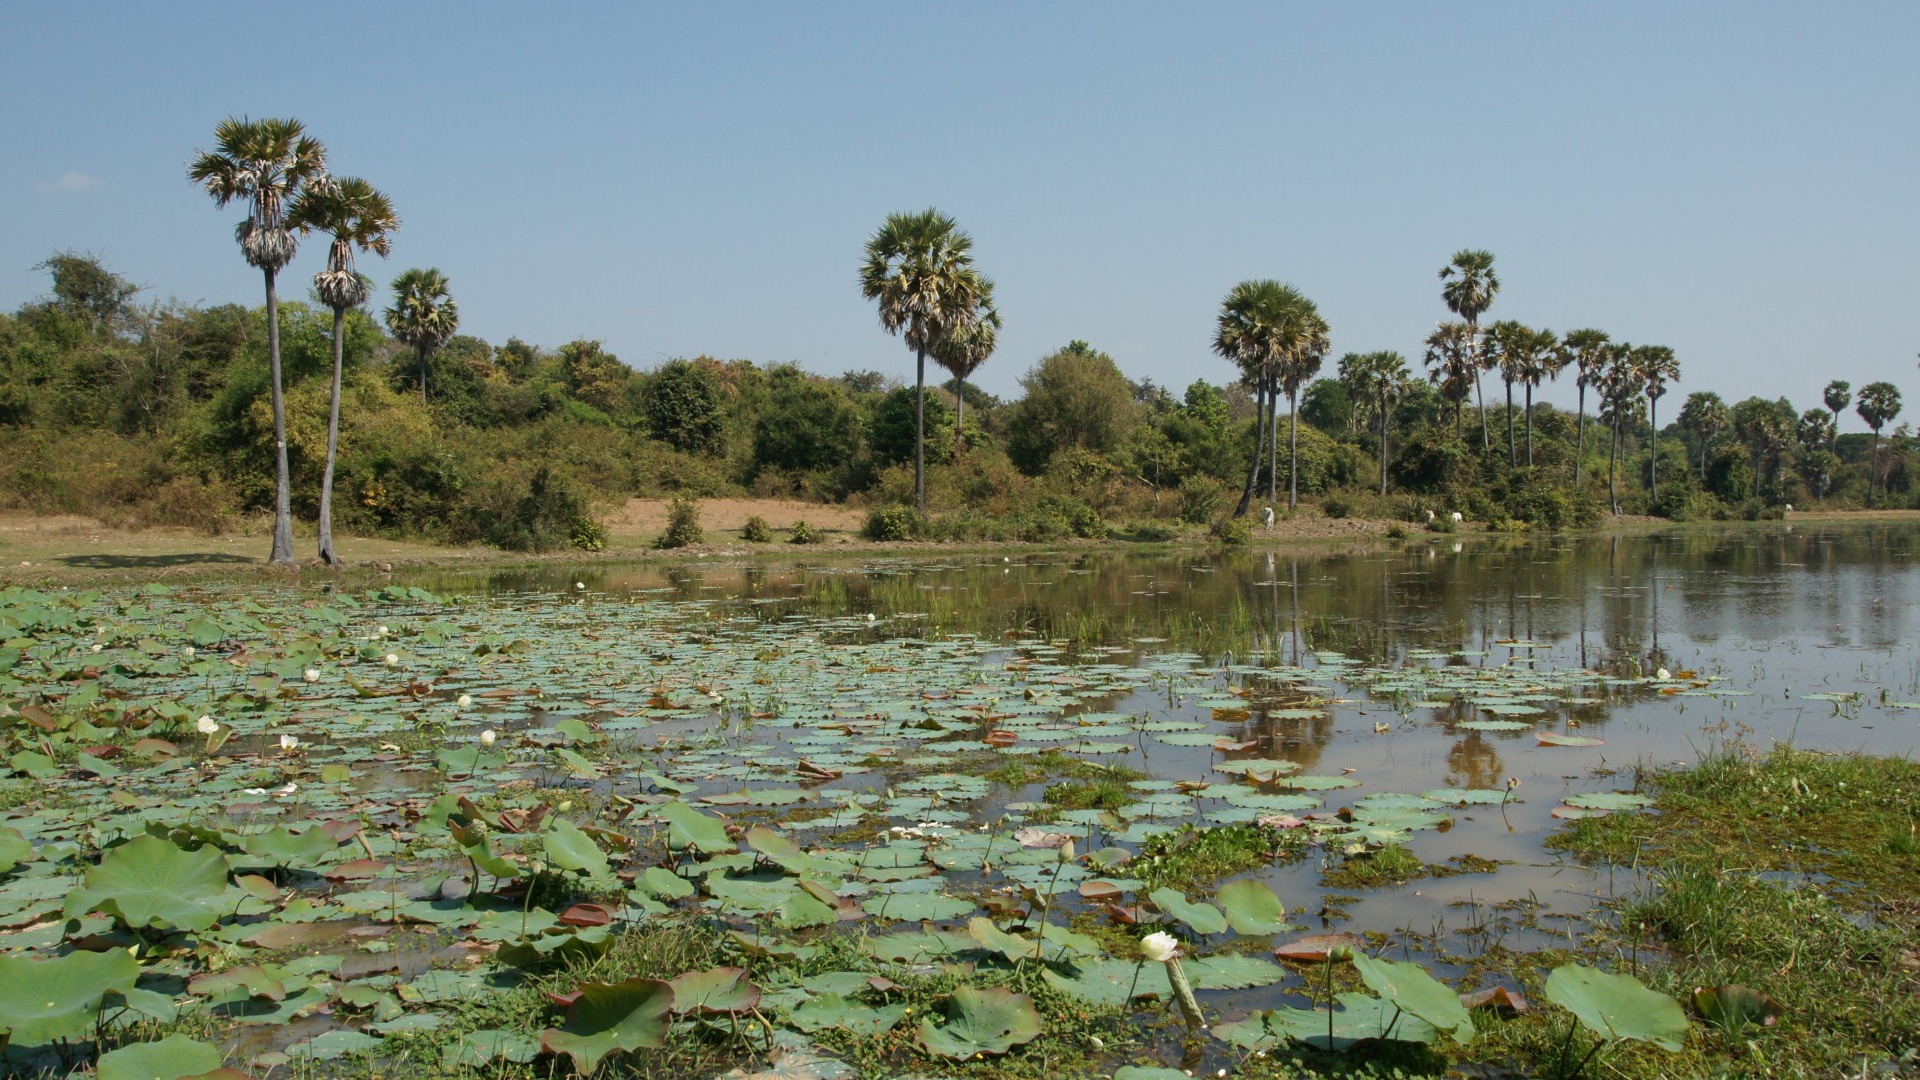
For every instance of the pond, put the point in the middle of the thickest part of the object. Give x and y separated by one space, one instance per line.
913 739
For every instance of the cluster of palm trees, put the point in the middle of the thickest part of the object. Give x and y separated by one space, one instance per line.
1278 339
280 173
1878 403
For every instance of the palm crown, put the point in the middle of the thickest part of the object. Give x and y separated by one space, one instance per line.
266 163
423 313
357 215
1470 285
920 269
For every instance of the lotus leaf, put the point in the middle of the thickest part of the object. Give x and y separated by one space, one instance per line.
282 846
781 851
42 1001
1359 1018
335 1044
148 882
1252 907
914 907
687 827
1201 918
1618 1006
488 1047
1409 986
717 990
14 849
662 884
571 849
1230 972
611 1017
831 1010
172 1058
990 1021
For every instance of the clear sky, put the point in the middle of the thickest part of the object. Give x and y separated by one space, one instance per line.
1735 180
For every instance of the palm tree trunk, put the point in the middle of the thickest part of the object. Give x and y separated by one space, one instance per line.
959 415
1873 465
282 553
1529 425
1580 439
920 432
1480 401
1293 448
1513 455
1613 452
1273 440
423 374
1653 454
1383 441
327 554
1259 446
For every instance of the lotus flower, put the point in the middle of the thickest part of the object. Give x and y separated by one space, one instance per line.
289 743
463 701
384 631
487 737
312 675
1662 674
1164 948
392 659
207 725
1160 946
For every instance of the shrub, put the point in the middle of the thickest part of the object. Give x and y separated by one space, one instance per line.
588 535
756 531
1232 532
1396 531
1200 499
1335 506
552 514
803 533
683 525
894 523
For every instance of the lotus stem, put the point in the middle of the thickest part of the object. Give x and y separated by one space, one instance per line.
1183 993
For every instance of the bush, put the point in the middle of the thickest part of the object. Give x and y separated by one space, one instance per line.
552 514
588 535
1200 499
756 531
1335 506
1056 517
803 533
1396 531
894 523
683 525
1232 532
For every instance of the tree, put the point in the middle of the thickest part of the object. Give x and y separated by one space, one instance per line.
1450 362
1278 339
1587 351
1076 398
1540 360
423 315
1837 399
1620 387
266 164
964 349
1879 403
1526 356
1379 376
1653 367
1815 431
1470 288
1766 427
684 407
357 215
85 289
1703 415
919 270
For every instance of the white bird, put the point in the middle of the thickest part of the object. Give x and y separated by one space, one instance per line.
1267 516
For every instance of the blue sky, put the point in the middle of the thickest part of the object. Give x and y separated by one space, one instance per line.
1735 180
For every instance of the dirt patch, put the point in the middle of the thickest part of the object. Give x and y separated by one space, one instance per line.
648 517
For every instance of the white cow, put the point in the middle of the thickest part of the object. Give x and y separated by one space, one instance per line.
1267 516
1457 519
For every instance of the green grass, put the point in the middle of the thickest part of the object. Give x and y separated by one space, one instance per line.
1192 860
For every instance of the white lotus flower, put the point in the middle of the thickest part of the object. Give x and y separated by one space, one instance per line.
289 743
207 725
392 659
463 701
488 736
312 674
1160 946
580 585
283 792
1662 673
96 646
189 652
384 631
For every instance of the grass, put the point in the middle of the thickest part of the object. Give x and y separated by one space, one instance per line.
1191 860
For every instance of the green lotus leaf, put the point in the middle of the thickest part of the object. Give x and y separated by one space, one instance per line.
1610 800
571 849
282 846
1148 1072
782 851
1050 943
662 884
716 990
337 1043
1230 972
1409 986
611 1018
916 906
1358 1019
15 849
1618 1006
1252 907
42 1001
687 827
486 1048
823 1011
1201 918
991 1021
172 1058
150 882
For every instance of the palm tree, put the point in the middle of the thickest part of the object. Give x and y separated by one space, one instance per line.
1301 362
1379 375
1278 339
1704 416
1541 360
1879 403
1619 386
1837 398
1508 344
1450 363
360 216
964 350
1654 366
919 268
265 163
1470 288
423 315
1587 350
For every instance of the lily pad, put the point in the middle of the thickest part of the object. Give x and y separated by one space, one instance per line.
1618 1006
172 1058
149 882
42 1001
990 1021
1409 987
1252 907
609 1018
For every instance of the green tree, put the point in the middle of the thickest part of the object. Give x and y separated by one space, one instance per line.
86 290
423 315
1076 398
1376 377
356 215
1450 363
1766 428
1587 351
1620 387
919 270
1654 366
1837 398
890 429
1470 288
1540 359
265 163
964 349
1878 404
1703 416
806 424
685 406
1278 339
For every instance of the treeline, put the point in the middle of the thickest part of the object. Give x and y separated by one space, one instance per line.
142 413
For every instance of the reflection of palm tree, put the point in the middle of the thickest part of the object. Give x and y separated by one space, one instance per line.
1473 762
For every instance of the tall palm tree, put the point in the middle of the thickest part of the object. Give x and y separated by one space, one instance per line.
360 216
1380 376
1654 366
1470 288
919 269
1879 403
265 163
1836 398
423 315
1450 363
964 350
1302 361
1541 360
1619 386
1587 351
1704 416
1508 345
1275 335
